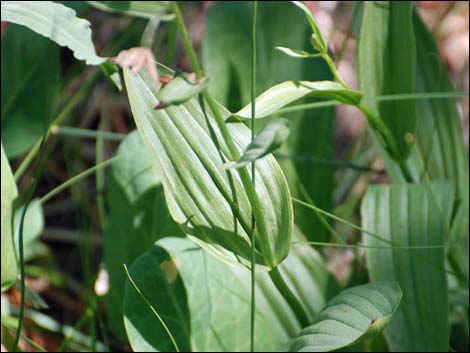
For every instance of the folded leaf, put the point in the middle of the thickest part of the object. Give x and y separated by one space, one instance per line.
55 21
208 202
387 64
354 315
280 95
266 141
319 42
179 90
9 194
145 9
412 215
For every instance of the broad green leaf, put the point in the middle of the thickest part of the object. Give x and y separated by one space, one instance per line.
56 22
278 96
268 140
411 215
439 151
32 229
137 217
145 9
30 86
226 58
178 91
318 41
387 64
211 312
295 53
9 194
355 314
208 202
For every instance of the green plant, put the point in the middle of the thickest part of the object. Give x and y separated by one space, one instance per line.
203 247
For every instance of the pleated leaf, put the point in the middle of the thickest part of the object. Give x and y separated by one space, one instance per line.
178 91
387 65
278 96
206 304
226 59
208 202
266 141
9 194
439 151
412 215
144 9
355 314
57 22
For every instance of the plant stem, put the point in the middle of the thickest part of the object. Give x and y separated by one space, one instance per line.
293 302
334 70
77 178
253 170
85 133
29 196
186 39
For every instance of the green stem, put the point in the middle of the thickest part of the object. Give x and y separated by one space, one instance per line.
336 218
85 133
253 223
71 104
333 69
293 302
29 196
77 178
186 40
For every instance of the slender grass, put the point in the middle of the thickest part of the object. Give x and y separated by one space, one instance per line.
154 311
77 178
253 179
359 246
339 219
29 197
85 133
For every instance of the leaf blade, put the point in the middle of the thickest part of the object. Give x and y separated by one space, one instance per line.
54 21
9 194
355 314
414 219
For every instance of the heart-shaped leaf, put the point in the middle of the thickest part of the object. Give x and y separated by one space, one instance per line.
211 311
355 314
